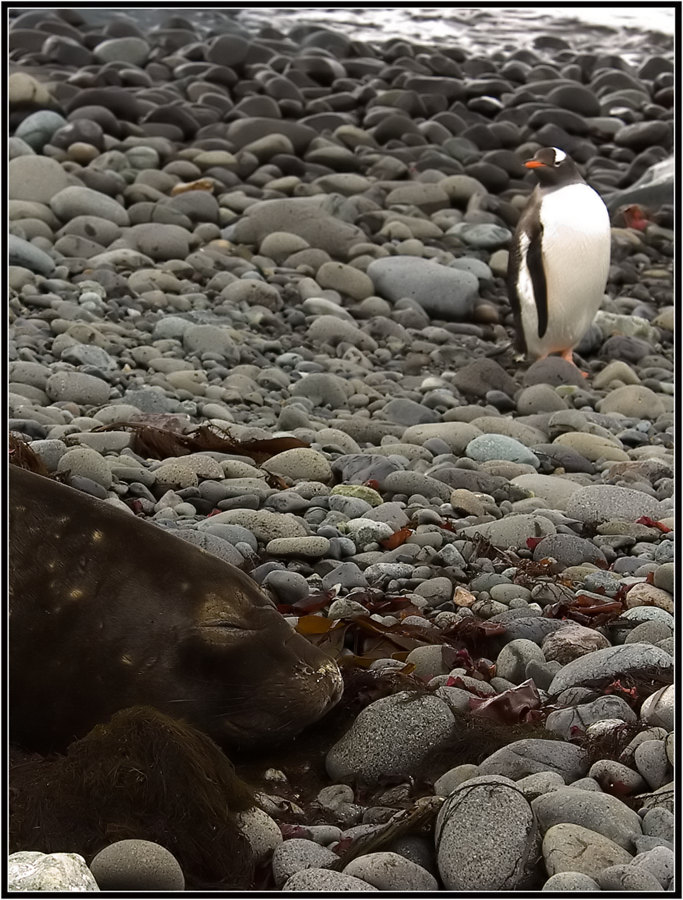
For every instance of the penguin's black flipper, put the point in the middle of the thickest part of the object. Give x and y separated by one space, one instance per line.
534 261
515 262
526 272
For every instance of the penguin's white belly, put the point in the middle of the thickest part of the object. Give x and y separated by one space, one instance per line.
576 256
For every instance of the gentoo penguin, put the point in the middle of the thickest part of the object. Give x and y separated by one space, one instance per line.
559 258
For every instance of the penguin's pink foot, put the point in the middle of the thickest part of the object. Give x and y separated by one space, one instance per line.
568 355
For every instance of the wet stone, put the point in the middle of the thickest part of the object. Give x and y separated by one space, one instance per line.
32 871
486 836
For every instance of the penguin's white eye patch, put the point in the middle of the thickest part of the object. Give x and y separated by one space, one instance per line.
560 155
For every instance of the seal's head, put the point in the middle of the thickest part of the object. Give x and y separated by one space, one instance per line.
108 611
256 675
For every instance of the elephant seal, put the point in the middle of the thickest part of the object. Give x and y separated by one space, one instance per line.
108 611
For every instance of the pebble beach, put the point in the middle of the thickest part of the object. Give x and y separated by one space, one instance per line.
257 297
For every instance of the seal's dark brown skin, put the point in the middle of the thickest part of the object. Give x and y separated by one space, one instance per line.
108 611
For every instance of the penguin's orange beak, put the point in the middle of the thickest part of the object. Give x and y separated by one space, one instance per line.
534 164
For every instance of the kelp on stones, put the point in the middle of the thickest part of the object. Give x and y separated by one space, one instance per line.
156 442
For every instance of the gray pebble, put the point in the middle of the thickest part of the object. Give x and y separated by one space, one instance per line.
511 531
514 658
532 755
23 253
315 879
482 375
296 854
325 834
500 446
75 201
212 544
252 292
453 778
88 355
388 871
233 534
645 842
628 878
659 861
265 526
160 241
289 586
610 663
484 236
649 614
570 881
323 389
38 128
659 823
347 574
567 722
608 772
309 218
533 786
332 330
176 474
598 503
598 812
428 660
435 590
664 577
486 837
539 398
30 870
392 736
289 501
408 412
262 832
652 763
36 178
456 435
658 708
346 608
133 50
443 292
506 593
50 451
572 641
299 464
351 507
87 463
340 548
383 572
202 339
633 400
572 848
569 550
554 489
137 865
308 546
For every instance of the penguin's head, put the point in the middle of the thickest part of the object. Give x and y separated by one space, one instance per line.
554 168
